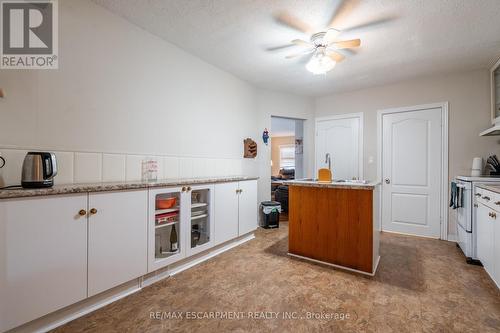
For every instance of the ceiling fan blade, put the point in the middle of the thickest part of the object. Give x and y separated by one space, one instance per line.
330 36
347 44
290 56
293 22
279 47
301 42
340 13
372 24
335 56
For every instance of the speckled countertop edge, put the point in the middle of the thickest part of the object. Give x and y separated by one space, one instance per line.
492 188
350 186
117 186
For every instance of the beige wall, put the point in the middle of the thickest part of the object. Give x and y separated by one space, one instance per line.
276 142
468 95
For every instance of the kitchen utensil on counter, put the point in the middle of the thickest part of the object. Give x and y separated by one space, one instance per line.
494 165
39 170
324 175
477 166
165 203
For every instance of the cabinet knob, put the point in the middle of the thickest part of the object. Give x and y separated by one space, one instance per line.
477 194
189 188
93 211
492 215
486 198
82 212
497 203
183 189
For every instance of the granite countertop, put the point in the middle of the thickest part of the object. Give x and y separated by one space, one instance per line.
116 186
334 184
492 188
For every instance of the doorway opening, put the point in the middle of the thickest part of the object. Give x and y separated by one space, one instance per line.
287 157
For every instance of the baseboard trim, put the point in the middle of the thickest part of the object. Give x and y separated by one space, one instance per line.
336 266
405 234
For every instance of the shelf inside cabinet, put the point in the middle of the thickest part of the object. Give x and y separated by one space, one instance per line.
158 226
169 210
166 254
197 217
198 205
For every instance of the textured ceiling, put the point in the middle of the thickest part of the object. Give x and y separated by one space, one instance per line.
400 38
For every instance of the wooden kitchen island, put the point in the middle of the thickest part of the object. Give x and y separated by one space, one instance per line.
336 224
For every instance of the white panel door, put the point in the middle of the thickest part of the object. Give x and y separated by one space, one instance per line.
411 172
225 212
117 238
339 138
43 256
247 207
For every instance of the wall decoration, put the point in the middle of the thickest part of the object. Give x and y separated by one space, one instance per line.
249 148
265 136
299 146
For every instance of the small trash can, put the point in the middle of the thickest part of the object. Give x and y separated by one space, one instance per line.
270 214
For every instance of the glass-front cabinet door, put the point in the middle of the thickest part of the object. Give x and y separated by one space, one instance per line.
201 229
167 210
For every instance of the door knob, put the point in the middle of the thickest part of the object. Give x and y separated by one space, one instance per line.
387 181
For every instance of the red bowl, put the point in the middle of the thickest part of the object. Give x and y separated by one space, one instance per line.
165 203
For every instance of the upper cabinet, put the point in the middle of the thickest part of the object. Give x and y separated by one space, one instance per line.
495 92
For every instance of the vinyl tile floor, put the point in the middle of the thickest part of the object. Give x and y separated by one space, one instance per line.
422 285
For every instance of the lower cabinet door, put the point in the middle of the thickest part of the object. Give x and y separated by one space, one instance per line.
496 249
225 211
117 238
485 237
248 206
43 256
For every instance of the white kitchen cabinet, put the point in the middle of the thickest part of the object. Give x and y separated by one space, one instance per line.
226 211
496 248
43 257
247 207
235 209
485 236
117 242
200 235
163 223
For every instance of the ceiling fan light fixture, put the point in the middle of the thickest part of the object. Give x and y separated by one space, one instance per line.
320 64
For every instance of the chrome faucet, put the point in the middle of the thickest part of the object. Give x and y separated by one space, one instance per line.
329 161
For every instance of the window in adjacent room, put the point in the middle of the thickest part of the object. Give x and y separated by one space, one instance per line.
287 156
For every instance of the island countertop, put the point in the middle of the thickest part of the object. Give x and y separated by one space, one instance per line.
114 186
353 185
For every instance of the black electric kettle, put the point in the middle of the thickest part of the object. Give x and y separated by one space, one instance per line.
39 170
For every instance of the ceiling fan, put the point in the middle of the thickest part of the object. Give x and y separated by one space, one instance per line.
323 44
